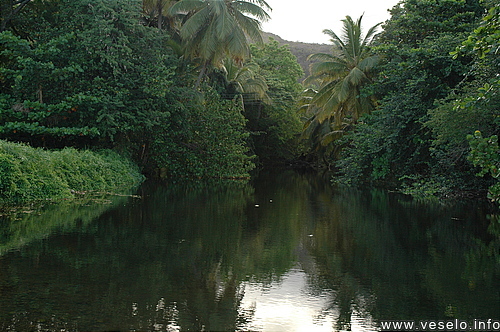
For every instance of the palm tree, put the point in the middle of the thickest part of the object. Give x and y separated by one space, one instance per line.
318 135
245 80
341 75
216 29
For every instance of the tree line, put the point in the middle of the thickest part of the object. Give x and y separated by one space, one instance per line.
187 88
179 86
404 106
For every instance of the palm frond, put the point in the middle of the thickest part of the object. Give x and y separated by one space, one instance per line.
335 39
324 94
351 34
195 23
175 46
215 29
236 45
332 136
207 42
217 6
367 64
309 92
186 6
224 23
356 77
332 70
370 34
261 3
250 26
252 9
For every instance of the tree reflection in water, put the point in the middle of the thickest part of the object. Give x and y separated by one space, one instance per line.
202 256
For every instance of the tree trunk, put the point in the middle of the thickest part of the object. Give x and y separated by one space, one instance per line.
202 73
159 8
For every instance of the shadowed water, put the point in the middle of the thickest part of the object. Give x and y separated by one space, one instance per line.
286 252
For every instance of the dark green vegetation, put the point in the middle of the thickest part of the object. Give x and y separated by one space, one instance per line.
178 86
404 122
162 82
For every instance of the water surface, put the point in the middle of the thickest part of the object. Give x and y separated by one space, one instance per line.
285 252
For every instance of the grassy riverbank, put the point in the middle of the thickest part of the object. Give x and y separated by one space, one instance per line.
30 174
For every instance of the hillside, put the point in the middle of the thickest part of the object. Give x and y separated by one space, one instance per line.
299 49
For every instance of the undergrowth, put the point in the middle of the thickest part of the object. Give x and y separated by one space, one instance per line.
31 174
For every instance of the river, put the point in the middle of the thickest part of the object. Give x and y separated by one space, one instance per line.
285 252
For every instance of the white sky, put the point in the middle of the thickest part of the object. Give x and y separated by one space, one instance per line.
305 20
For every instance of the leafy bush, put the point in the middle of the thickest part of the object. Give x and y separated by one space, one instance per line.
89 73
206 139
276 126
486 154
29 174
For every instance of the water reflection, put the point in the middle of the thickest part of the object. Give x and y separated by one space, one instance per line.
283 253
287 305
21 225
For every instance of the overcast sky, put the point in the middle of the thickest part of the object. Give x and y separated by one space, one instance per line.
305 20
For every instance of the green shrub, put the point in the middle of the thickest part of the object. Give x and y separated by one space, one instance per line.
485 153
206 140
29 174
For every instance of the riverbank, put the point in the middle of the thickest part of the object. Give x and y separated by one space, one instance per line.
32 174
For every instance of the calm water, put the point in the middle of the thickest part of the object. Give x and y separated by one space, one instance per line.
286 252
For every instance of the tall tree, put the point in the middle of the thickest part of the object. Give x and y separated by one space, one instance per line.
216 29
342 74
334 98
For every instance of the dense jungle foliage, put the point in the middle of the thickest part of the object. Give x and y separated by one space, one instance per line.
188 88
102 74
401 115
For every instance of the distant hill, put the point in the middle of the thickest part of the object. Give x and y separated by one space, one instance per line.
299 49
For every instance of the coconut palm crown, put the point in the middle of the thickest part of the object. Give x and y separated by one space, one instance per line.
340 75
216 29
